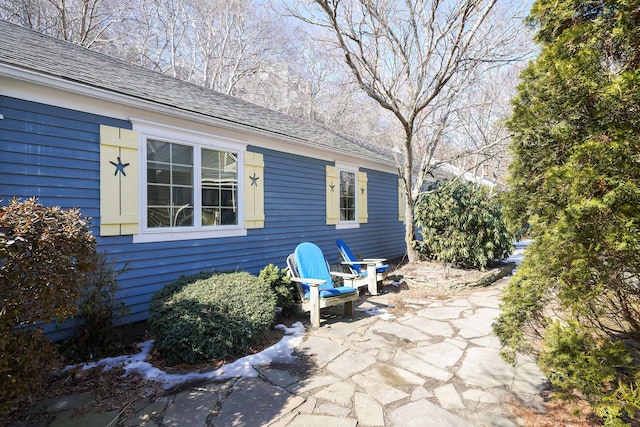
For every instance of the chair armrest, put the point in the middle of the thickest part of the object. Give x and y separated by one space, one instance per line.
364 261
310 282
375 259
343 275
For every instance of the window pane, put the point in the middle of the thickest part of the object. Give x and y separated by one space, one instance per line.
158 151
158 195
158 217
158 173
182 175
210 216
228 197
182 216
210 197
169 185
182 196
219 188
229 217
347 196
182 154
231 162
211 159
347 183
347 213
210 177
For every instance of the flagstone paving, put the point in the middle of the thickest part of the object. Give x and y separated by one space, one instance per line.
436 364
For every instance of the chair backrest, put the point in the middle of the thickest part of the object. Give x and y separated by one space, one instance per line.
302 288
348 256
293 267
310 264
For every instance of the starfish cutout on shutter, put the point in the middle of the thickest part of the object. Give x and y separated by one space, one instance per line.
119 167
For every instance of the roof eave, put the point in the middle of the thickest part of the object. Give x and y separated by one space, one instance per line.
96 92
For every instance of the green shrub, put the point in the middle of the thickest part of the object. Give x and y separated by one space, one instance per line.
575 180
200 318
461 224
279 281
46 255
574 359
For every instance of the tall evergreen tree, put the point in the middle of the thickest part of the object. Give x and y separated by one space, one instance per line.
575 180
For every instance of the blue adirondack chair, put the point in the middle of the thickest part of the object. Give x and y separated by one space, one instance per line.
371 269
309 269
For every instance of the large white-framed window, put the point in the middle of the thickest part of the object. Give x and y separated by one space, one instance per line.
192 184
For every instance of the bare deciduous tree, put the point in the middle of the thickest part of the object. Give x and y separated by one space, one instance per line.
83 22
174 23
414 58
480 126
234 40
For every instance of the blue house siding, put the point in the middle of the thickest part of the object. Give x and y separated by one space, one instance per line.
53 153
295 209
383 235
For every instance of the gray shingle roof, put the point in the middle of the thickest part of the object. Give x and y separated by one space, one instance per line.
26 49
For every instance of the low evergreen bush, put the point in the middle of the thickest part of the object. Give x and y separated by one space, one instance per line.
604 370
207 317
282 286
461 224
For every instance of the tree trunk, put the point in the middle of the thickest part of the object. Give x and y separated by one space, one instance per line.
408 175
409 233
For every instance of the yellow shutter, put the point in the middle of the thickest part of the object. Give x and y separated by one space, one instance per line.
363 191
402 201
253 190
119 181
332 195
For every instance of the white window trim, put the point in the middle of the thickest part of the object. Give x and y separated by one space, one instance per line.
347 225
172 134
348 167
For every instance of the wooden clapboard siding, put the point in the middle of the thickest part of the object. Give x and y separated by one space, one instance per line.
50 153
383 235
295 205
53 153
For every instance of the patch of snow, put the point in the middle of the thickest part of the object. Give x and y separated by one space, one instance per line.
518 254
282 352
376 311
